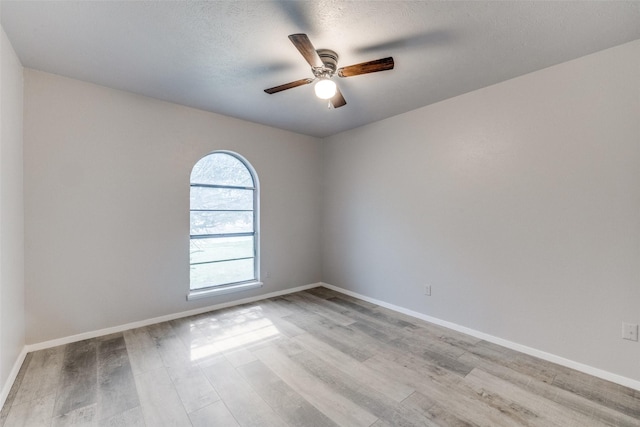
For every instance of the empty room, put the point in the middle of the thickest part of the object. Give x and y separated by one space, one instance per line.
319 213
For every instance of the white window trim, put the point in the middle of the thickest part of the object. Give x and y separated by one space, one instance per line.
212 292
244 286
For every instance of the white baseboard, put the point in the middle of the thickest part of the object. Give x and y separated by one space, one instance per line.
605 375
147 322
12 376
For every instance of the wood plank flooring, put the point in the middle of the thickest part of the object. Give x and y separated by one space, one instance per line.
313 358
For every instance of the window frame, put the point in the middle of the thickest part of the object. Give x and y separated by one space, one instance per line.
233 286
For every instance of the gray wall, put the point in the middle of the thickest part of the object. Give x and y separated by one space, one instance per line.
518 203
12 323
107 199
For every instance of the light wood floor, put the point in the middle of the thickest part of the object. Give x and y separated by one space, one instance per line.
314 358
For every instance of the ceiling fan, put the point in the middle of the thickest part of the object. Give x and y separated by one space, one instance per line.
324 64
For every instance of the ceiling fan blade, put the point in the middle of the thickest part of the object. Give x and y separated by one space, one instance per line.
338 100
286 86
366 67
304 46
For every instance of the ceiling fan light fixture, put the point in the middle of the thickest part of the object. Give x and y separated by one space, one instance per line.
325 88
324 66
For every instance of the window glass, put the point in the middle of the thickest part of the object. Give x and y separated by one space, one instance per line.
221 169
221 273
212 222
223 204
220 199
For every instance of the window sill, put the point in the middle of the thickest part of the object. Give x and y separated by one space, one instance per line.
205 293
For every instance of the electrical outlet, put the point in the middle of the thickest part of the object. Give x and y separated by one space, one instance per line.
427 290
630 331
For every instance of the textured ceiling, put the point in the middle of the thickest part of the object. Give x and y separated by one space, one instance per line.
220 55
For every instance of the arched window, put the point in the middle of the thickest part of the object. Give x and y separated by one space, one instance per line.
224 225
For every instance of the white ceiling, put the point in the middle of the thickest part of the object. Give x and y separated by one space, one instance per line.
220 55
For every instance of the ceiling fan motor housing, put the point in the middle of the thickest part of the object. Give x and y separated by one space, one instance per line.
329 59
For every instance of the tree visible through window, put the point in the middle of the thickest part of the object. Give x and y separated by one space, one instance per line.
223 243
